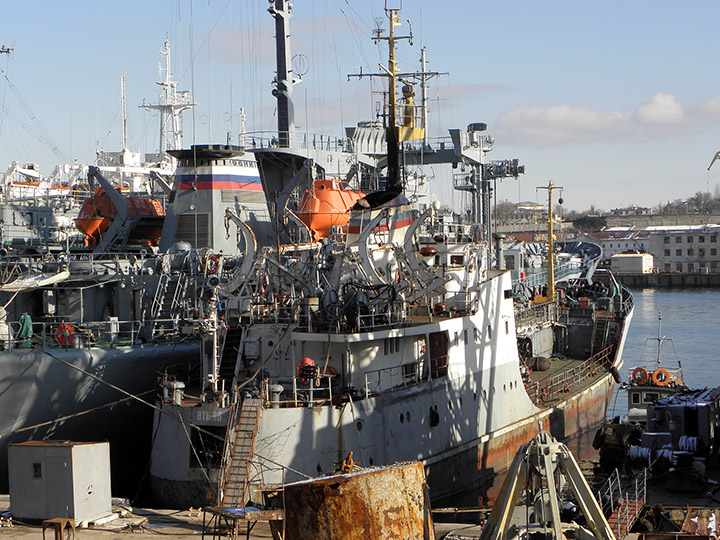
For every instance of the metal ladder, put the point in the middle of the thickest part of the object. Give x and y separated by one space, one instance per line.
239 451
600 334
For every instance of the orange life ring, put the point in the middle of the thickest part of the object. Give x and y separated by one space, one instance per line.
212 264
64 334
640 375
301 363
661 377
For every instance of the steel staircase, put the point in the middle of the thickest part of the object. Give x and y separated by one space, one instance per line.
239 451
166 303
231 349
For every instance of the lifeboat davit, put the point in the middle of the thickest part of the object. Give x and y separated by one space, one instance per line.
327 205
98 212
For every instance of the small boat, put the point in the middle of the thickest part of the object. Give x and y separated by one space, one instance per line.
667 422
646 385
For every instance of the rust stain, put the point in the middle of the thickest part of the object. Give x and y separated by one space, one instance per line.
474 477
389 502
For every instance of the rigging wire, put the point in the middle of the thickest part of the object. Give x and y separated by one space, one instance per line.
129 395
2 110
44 134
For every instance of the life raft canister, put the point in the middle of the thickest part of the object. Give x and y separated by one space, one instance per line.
65 334
640 375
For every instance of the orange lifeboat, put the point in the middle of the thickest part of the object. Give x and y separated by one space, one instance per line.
98 212
327 205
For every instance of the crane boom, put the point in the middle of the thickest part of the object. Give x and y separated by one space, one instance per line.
714 159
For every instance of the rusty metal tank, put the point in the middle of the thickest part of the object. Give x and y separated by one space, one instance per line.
387 502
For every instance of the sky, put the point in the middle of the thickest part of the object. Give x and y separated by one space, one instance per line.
618 102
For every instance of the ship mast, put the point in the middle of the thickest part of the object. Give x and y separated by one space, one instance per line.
550 244
660 338
391 136
283 81
171 105
124 112
393 184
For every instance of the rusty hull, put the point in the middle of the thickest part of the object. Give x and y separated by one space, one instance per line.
388 502
473 477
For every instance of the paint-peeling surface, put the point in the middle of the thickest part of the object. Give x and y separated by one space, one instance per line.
389 502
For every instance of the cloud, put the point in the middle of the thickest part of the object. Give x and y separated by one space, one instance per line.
660 110
660 115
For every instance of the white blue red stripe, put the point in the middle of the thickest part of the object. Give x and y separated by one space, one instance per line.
217 181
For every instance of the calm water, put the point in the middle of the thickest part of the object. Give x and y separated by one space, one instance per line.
691 326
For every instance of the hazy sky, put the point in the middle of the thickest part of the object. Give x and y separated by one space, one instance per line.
617 101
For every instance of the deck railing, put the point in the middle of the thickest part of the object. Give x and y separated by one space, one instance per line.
535 315
394 378
65 335
392 315
297 391
623 504
560 384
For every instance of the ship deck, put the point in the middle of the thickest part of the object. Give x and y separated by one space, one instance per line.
564 376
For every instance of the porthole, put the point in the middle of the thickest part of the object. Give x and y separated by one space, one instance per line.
319 469
402 418
372 461
407 416
359 425
434 416
450 405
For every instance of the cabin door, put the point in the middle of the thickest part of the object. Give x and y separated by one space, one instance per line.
438 354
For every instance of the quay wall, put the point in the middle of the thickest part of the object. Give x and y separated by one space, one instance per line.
669 280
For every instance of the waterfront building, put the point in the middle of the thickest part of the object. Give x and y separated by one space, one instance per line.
691 248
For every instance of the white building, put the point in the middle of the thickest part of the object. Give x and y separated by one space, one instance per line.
691 248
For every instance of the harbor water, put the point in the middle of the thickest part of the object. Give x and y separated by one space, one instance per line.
690 324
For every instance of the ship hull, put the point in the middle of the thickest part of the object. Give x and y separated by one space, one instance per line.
465 427
42 397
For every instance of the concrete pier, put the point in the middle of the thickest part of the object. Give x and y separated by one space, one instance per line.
669 280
